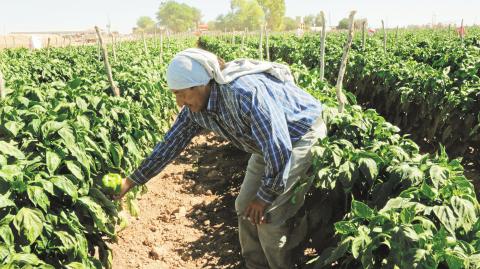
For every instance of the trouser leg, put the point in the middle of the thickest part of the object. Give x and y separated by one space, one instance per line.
265 245
271 245
252 251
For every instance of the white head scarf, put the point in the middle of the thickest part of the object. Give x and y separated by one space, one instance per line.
194 67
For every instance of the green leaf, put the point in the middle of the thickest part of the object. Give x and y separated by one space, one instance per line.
97 213
6 202
29 223
76 265
407 214
14 127
446 217
454 262
11 150
51 127
116 153
7 235
368 167
345 227
66 186
9 172
53 161
465 211
75 169
438 175
67 135
38 197
67 242
361 210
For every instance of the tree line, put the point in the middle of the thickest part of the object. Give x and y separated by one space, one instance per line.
251 14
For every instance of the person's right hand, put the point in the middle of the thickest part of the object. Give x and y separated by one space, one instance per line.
127 184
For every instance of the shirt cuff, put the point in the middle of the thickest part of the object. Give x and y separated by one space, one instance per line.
138 178
267 195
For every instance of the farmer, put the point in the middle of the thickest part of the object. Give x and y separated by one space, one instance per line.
258 108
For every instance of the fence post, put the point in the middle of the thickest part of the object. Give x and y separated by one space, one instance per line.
115 89
343 64
145 49
384 38
364 26
260 45
266 43
322 46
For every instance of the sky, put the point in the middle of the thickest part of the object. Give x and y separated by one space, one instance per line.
65 15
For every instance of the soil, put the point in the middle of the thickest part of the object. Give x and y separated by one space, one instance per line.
187 218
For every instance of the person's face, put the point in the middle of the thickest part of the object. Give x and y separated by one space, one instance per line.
195 98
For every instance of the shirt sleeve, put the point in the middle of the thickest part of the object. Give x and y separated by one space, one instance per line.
175 140
270 131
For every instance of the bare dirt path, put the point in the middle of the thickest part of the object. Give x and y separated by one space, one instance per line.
187 218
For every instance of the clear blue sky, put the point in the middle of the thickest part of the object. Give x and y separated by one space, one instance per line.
46 15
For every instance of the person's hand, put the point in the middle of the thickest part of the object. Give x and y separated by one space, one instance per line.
127 184
255 211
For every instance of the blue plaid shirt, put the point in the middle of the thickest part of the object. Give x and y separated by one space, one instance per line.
257 113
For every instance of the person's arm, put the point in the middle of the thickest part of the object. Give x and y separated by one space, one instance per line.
175 140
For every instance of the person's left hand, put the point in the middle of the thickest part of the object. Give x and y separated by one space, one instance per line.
255 211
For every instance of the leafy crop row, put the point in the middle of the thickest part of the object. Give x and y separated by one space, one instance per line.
61 130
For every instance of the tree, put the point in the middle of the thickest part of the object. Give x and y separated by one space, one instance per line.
145 22
289 24
343 23
274 12
244 13
308 21
358 24
178 17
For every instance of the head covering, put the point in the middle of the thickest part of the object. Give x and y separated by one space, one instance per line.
183 72
195 67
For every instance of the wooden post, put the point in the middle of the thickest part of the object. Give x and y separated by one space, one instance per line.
114 51
99 56
6 42
155 37
2 86
322 46
108 69
384 38
364 26
343 65
14 45
48 47
462 32
260 45
266 43
243 37
144 43
161 46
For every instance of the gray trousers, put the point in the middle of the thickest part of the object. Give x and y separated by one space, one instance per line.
271 245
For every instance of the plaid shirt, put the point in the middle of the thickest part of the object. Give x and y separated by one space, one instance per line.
257 113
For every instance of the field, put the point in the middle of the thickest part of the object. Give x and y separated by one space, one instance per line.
390 187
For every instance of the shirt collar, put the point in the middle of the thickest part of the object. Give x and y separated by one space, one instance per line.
213 99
